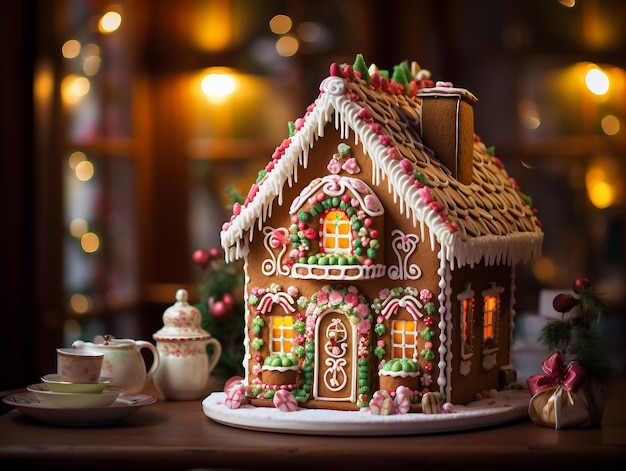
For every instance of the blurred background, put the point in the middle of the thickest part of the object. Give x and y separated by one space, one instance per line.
125 125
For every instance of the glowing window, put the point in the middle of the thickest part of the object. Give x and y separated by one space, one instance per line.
404 339
467 320
281 334
337 233
490 318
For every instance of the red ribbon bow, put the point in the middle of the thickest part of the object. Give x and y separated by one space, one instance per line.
570 377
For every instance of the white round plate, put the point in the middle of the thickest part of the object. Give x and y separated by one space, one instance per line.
74 400
124 406
509 405
54 383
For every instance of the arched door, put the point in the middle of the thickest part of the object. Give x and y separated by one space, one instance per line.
336 358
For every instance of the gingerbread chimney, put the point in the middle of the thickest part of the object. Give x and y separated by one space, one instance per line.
447 127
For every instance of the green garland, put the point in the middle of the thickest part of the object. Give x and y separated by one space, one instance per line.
223 282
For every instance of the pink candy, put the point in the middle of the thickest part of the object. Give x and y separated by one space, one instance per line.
235 396
284 401
402 402
381 403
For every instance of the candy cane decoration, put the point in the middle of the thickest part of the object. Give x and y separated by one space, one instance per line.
269 299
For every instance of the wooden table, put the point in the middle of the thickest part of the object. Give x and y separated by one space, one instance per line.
172 435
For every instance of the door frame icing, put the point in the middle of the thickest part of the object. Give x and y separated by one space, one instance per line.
329 363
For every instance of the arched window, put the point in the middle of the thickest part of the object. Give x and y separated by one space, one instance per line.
467 322
281 334
336 233
404 339
490 320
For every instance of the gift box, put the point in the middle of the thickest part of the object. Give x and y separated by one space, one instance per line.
562 397
570 393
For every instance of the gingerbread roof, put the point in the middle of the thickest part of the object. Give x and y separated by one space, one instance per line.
486 219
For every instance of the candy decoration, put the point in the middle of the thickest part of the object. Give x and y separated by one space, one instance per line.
430 404
232 381
381 403
235 396
447 408
284 401
402 402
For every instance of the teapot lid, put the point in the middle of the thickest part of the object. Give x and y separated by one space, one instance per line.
181 321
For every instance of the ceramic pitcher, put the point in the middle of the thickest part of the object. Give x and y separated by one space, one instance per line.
182 343
123 361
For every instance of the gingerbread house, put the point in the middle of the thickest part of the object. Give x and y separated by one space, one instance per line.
380 245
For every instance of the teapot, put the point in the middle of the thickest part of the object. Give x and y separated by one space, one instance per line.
182 343
123 361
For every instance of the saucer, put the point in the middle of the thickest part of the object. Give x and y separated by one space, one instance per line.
124 406
73 400
54 383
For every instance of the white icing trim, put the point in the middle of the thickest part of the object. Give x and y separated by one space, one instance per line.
280 369
399 374
445 325
247 317
447 91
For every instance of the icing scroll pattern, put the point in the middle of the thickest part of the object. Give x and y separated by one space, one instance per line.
274 239
404 245
335 375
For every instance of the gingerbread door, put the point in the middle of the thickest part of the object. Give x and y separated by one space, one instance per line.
336 362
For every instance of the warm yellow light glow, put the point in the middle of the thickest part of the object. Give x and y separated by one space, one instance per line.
544 270
43 87
78 227
90 242
84 170
568 3
597 81
73 88
603 181
287 46
110 22
212 24
70 48
76 158
218 84
280 24
601 195
80 304
610 125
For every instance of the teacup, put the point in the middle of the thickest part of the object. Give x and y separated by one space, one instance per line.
79 366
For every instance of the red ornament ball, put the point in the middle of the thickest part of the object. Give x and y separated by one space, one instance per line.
201 258
221 310
581 283
564 302
228 299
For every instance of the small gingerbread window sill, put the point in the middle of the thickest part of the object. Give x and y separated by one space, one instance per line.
337 272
